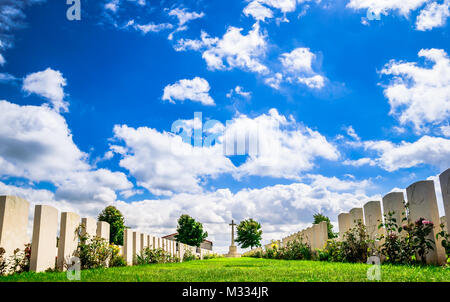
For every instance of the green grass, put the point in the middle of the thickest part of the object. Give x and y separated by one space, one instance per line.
245 270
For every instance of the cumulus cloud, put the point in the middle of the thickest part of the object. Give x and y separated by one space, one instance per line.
420 95
36 144
163 163
196 90
238 90
433 15
285 148
384 6
48 84
258 11
429 150
276 146
184 16
233 50
298 67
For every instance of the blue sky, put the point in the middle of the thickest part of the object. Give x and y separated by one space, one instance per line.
347 108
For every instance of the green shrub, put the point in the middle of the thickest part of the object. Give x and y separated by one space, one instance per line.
149 256
445 241
211 256
357 246
189 255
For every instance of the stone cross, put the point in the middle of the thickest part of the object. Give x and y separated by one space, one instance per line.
232 231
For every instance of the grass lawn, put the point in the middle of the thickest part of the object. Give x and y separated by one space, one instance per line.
245 270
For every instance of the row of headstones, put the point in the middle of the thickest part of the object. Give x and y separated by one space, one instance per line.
422 200
134 243
44 248
315 236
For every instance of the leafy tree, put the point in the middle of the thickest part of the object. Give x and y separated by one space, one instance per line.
190 231
318 218
249 233
115 219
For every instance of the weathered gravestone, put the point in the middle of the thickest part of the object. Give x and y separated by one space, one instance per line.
103 230
444 179
136 245
68 238
344 221
13 223
423 204
372 216
394 202
356 215
43 244
128 246
89 227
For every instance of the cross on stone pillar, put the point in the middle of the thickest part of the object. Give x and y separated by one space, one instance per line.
232 232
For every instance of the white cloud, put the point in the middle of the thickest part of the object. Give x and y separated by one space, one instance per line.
6 77
298 60
150 27
433 15
233 50
184 16
285 148
48 84
36 144
420 95
258 11
298 68
434 151
112 6
2 60
384 6
196 90
238 90
163 163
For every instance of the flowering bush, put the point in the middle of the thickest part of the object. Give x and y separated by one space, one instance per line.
93 252
149 256
445 242
357 246
19 262
421 239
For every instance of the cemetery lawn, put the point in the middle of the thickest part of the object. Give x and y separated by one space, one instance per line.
245 270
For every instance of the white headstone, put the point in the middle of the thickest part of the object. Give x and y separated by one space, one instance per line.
356 215
394 202
89 226
344 220
43 245
444 179
128 246
103 230
423 204
372 217
13 223
68 238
